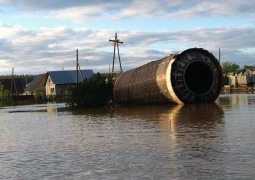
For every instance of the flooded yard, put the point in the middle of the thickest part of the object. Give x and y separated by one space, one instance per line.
202 141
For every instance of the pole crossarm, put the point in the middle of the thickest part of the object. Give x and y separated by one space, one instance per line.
116 40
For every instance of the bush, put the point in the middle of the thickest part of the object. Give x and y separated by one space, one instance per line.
92 92
37 95
229 67
5 95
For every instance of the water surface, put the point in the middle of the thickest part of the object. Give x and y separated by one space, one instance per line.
203 141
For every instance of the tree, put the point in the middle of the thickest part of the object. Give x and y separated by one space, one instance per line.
229 67
37 95
92 92
5 95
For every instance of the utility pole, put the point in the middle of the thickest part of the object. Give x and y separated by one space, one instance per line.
77 64
116 43
219 55
13 83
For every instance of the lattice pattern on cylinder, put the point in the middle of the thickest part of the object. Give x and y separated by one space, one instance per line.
191 76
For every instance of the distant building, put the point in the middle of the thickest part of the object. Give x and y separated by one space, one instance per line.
37 83
250 69
58 82
236 80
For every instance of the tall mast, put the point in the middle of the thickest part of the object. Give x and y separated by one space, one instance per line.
116 43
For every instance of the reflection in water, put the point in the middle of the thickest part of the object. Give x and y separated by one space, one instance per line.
169 116
198 133
190 135
203 141
235 100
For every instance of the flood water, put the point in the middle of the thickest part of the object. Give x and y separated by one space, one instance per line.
203 141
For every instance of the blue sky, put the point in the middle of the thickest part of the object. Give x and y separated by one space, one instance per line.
39 36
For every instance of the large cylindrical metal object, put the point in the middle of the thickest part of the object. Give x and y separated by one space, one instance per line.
191 76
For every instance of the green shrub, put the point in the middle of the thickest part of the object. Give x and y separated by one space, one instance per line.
37 95
92 92
5 95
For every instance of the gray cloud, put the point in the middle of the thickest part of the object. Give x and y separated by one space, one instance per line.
48 49
82 10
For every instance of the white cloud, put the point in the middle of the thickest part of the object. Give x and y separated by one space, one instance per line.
46 46
80 10
38 51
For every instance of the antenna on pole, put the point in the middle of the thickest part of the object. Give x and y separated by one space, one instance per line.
116 43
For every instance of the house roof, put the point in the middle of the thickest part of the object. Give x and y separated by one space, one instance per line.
32 85
69 77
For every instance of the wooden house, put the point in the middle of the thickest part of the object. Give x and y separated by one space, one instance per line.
37 83
59 82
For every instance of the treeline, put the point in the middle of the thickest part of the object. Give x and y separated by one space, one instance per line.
232 67
23 76
22 80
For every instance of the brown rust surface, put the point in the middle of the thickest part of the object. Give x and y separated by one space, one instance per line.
192 76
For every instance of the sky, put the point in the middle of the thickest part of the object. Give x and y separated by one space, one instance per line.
38 36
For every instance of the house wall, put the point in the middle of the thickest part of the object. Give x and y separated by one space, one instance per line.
50 87
241 79
55 89
62 89
232 80
28 93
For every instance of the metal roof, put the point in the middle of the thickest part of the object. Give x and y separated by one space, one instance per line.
69 77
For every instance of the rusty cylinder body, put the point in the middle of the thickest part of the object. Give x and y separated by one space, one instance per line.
191 76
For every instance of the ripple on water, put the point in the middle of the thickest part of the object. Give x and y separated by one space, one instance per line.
151 142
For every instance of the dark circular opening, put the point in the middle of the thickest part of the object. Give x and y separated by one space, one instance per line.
198 77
